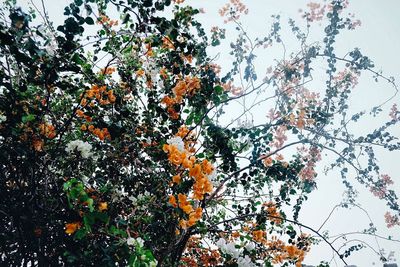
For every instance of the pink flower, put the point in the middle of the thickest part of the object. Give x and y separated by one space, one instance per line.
391 220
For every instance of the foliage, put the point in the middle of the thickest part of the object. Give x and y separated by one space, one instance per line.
128 163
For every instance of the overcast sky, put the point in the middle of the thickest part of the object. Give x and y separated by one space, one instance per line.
379 38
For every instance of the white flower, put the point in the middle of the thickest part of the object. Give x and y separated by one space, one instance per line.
178 142
228 248
135 242
151 68
130 241
244 262
181 39
3 90
140 242
232 250
250 246
2 118
80 146
221 243
153 263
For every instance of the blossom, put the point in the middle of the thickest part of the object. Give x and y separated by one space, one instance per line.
228 248
2 118
103 206
71 228
172 201
250 246
138 242
391 220
244 262
176 179
393 112
130 241
82 147
181 39
259 236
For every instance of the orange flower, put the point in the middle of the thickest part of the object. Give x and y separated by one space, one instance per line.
291 251
107 71
163 73
195 171
103 206
236 234
182 198
258 236
167 43
187 164
183 224
112 98
83 127
195 216
172 201
175 158
187 208
140 72
207 167
37 144
176 179
83 102
166 148
71 228
149 52
47 130
167 101
80 113
184 204
180 88
267 161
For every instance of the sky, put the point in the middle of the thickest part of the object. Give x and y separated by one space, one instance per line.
379 38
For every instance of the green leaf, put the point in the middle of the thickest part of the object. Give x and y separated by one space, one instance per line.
78 2
89 20
219 89
81 233
77 59
29 117
90 204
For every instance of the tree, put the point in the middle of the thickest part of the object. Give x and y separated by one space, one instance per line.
113 151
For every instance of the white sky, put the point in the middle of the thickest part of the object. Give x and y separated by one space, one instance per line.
378 38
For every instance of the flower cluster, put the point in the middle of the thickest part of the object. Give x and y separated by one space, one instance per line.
205 255
391 220
316 12
84 148
380 188
310 157
394 112
71 228
47 130
98 94
183 87
233 10
106 21
179 156
272 212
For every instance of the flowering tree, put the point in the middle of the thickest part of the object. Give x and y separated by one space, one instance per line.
114 153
